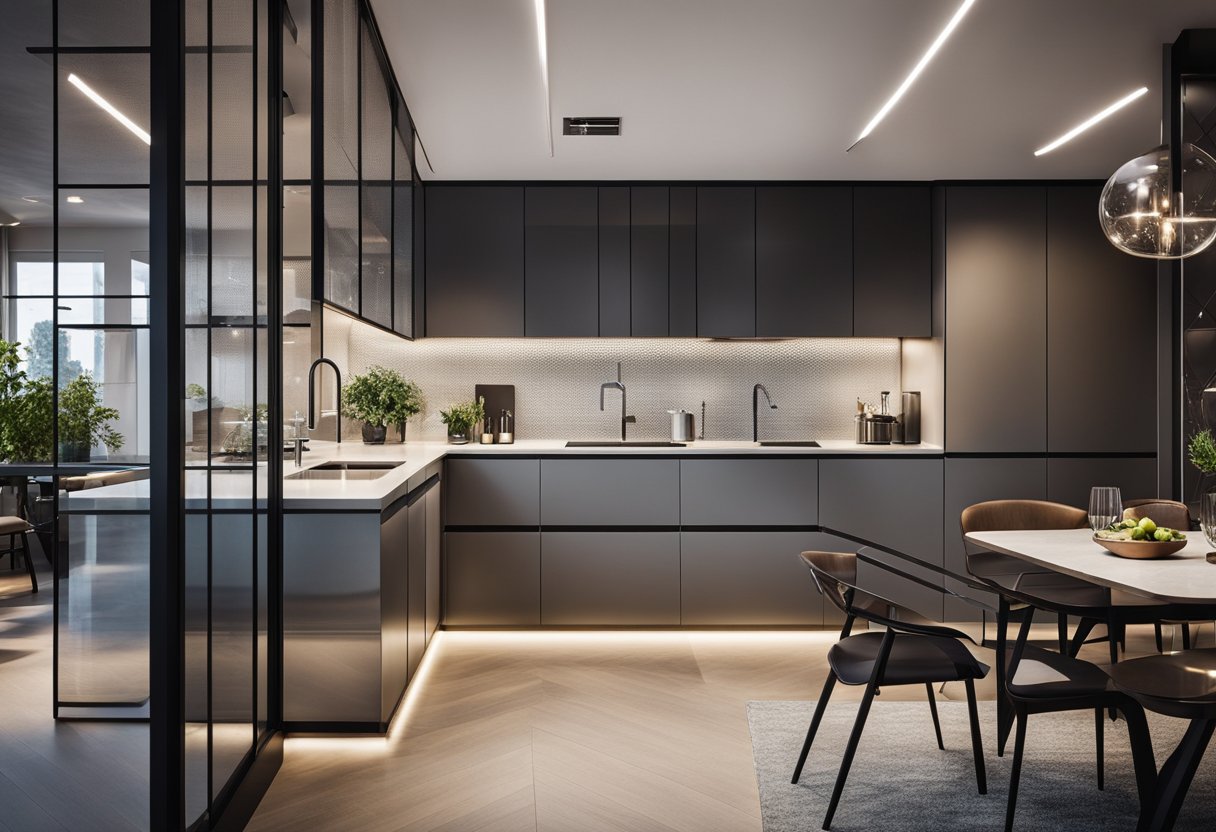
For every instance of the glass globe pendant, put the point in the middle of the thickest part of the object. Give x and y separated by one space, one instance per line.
1141 214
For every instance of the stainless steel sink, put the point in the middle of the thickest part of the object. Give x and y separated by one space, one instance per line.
346 470
790 443
356 465
619 444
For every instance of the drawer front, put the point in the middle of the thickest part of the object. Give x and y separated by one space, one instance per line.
610 492
610 578
749 492
493 492
492 579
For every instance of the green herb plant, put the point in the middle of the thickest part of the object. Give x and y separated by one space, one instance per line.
460 418
1202 451
381 397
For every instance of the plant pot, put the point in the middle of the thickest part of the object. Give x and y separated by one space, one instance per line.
74 452
458 438
374 434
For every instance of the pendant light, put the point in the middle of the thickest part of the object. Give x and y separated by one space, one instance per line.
1141 214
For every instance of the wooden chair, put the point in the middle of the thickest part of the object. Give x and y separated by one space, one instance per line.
12 527
1173 515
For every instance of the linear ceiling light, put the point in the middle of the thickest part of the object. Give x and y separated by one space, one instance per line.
916 71
542 48
1091 121
109 108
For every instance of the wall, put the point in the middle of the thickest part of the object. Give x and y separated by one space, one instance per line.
815 382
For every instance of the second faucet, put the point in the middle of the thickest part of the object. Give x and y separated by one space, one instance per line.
626 419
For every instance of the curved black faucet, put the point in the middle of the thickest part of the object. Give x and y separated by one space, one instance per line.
756 391
312 378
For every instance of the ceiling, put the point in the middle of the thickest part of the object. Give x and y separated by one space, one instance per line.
778 89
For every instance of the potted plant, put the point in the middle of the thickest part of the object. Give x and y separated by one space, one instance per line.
460 419
84 421
1201 451
380 397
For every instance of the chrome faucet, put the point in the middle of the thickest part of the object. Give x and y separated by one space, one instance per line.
626 419
312 410
756 391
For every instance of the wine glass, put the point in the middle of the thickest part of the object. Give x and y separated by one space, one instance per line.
1207 517
1105 506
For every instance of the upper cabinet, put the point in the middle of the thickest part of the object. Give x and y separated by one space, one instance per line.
648 253
561 261
726 262
475 261
804 262
892 261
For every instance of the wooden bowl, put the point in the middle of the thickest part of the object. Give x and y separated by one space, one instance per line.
1141 549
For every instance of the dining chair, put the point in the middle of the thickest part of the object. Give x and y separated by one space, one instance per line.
911 650
1173 515
14 527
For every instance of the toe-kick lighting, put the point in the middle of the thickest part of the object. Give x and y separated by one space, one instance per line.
1091 121
916 71
93 96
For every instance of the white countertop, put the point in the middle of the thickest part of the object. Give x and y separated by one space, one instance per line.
234 489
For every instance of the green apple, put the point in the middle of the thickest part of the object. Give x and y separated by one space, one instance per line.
1138 533
1148 525
1128 524
1163 534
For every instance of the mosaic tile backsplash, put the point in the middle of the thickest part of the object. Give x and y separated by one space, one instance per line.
815 382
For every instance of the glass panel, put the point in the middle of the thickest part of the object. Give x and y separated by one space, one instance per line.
377 254
342 246
232 271
197 251
232 620
104 22
104 118
104 370
403 250
341 28
297 253
198 693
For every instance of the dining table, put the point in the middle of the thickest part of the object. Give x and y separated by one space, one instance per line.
1185 577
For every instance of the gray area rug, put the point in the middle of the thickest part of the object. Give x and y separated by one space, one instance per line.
901 782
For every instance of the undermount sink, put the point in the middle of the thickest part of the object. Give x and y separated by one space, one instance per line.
789 443
345 470
619 444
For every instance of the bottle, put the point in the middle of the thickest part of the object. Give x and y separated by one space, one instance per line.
506 428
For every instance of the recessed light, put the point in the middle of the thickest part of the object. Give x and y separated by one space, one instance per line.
916 71
75 200
93 96
1091 121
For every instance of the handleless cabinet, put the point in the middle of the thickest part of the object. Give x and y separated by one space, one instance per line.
1069 479
613 287
610 578
493 579
648 261
749 492
892 261
561 261
434 560
610 492
804 266
493 492
475 261
682 263
416 582
726 261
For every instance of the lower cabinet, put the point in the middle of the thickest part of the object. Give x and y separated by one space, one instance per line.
434 560
610 578
492 579
416 583
751 578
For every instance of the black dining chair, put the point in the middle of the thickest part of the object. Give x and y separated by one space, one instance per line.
912 650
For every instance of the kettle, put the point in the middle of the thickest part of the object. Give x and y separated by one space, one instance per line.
683 426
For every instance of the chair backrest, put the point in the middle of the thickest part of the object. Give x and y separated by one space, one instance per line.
835 575
1169 513
1017 515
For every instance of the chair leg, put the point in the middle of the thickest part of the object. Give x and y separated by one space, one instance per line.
880 665
1143 761
1002 702
12 553
977 743
1084 628
1100 736
820 707
29 561
937 725
1019 745
1157 637
1175 778
1062 628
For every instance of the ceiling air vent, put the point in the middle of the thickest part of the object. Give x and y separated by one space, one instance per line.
599 126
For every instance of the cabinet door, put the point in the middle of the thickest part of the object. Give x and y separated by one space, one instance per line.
610 492
749 492
475 261
996 322
1101 326
493 579
561 261
750 578
1070 479
614 262
682 264
804 264
726 261
434 560
610 578
648 253
896 503
892 263
417 583
493 492
971 480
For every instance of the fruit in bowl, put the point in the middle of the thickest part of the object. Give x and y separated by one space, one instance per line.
1143 529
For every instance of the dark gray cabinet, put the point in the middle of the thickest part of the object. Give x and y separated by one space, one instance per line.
493 492
434 560
892 261
475 261
1069 479
493 579
610 492
614 234
896 503
749 492
416 638
749 578
726 261
561 261
971 480
1101 326
682 263
996 329
610 578
648 261
804 265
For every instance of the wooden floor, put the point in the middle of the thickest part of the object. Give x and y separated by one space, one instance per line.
565 731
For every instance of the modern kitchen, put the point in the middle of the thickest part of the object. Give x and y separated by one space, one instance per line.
569 415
